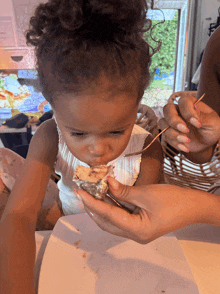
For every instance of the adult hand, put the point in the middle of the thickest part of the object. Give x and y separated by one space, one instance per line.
192 128
162 209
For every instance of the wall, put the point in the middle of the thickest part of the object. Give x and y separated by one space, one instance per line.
201 14
6 8
14 21
7 24
23 10
208 14
18 12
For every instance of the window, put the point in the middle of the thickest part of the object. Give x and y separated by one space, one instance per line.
167 67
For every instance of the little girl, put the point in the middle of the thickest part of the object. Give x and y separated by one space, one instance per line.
93 66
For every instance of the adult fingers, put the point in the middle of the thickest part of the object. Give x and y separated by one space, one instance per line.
174 138
110 213
196 115
105 226
136 195
174 97
173 119
113 219
121 192
135 229
182 94
93 204
189 111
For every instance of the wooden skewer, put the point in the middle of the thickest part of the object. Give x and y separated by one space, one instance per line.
164 130
138 152
199 99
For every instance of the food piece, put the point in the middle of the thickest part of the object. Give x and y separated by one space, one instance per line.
93 179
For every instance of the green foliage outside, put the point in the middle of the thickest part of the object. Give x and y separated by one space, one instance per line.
166 32
159 84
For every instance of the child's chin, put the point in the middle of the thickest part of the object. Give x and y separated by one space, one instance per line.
98 162
92 164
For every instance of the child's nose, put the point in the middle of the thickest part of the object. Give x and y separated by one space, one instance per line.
98 148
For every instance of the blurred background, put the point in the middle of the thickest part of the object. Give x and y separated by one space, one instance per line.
182 26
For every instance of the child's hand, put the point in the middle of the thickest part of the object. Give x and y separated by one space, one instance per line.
162 209
192 128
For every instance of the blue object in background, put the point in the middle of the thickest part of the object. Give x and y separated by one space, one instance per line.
4 114
31 103
168 79
47 107
30 89
157 71
12 85
162 75
27 74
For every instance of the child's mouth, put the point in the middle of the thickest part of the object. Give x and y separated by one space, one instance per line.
97 163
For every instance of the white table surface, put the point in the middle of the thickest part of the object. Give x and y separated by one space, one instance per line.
200 244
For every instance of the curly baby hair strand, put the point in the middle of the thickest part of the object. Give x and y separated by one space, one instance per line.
76 40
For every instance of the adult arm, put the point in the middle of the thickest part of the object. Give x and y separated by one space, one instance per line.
162 209
18 223
210 73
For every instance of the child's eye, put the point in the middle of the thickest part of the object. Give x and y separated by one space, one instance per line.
117 133
75 134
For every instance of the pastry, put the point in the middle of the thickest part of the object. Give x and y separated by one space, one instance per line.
93 179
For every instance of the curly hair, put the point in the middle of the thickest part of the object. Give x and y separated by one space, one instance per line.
76 40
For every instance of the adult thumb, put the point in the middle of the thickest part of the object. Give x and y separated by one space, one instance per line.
120 191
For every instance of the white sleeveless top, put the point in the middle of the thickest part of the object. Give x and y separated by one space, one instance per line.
126 169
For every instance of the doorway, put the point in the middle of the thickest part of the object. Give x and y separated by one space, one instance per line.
167 67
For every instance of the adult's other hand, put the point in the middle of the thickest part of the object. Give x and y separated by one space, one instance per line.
192 128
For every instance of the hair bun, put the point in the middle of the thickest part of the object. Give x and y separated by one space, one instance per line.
99 20
102 17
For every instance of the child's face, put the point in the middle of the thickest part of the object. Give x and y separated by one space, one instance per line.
96 127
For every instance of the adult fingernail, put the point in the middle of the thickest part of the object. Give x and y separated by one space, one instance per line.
196 108
183 139
182 128
183 148
195 122
77 194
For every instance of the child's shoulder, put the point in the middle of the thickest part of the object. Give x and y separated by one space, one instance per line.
45 141
48 130
154 150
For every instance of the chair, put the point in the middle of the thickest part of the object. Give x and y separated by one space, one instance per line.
18 135
17 140
180 171
147 119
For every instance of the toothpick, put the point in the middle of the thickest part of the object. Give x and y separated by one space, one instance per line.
164 130
199 99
